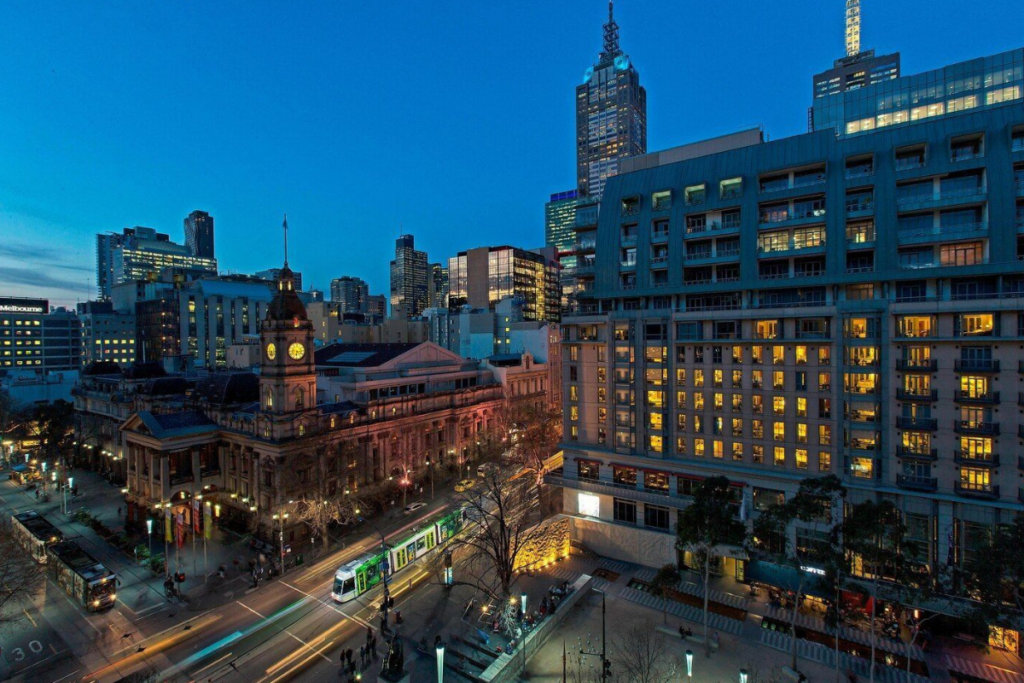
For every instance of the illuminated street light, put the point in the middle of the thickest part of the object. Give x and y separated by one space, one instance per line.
440 663
743 676
689 663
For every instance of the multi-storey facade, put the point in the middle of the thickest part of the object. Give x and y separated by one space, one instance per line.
437 286
199 234
828 303
141 254
611 114
107 335
36 339
350 293
484 276
409 289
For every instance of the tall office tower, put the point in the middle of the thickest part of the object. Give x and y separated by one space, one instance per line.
199 234
37 339
376 308
437 286
482 277
351 293
560 233
611 114
274 275
827 303
408 279
857 69
141 254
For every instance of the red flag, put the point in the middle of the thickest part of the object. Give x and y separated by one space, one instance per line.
195 514
181 530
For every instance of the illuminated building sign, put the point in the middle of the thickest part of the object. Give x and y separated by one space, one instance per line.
31 306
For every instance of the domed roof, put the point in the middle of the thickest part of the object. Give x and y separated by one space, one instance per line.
286 304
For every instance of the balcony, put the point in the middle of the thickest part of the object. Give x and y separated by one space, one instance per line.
974 427
915 483
778 218
961 458
916 364
976 365
926 423
941 233
987 398
961 195
581 247
628 263
917 395
988 491
904 452
863 208
585 268
659 235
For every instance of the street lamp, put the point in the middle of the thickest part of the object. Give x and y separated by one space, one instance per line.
689 663
743 676
149 533
440 663
283 516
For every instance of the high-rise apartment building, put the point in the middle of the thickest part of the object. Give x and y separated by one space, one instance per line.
141 254
351 293
37 339
376 307
437 285
611 114
843 304
560 225
409 290
199 234
107 335
482 277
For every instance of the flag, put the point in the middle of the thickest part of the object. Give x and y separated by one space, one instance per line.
196 503
181 529
168 531
207 520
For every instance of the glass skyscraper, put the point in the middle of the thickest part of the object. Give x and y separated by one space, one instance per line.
408 279
611 115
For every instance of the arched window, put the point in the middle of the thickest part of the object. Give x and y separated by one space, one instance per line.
332 422
270 398
299 394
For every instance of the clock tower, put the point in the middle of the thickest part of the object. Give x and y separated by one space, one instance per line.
288 370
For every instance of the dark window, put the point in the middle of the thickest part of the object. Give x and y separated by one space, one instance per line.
625 511
656 517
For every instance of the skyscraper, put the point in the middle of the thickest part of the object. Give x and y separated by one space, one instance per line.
611 114
351 293
199 234
482 277
139 254
437 295
408 279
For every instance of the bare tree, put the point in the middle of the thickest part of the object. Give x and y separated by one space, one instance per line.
19 575
641 655
530 429
321 502
501 524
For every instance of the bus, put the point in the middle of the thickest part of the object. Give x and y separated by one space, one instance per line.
363 573
35 534
88 582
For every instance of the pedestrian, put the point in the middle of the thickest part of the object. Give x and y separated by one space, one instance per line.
348 656
369 634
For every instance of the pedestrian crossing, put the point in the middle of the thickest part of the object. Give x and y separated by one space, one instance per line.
982 671
616 566
690 588
716 622
851 634
567 574
817 652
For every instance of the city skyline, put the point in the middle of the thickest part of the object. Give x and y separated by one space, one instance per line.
120 178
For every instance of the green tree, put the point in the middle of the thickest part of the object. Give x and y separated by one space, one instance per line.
994 579
704 525
665 580
813 508
874 541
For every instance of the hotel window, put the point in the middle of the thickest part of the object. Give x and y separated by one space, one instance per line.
680 399
624 476
655 421
681 376
778 380
656 517
780 456
574 413
737 426
716 378
602 415
824 461
737 403
757 454
587 469
976 447
698 447
698 401
655 443
694 194
756 354
698 424
717 449
778 355
973 386
801 459
718 401
624 511
698 379
805 238
737 351
757 404
975 325
655 481
801 432
661 200
769 242
779 431
801 355
574 393
915 326
757 379
602 374
779 405
801 407
863 468
737 379
975 479
824 355
680 444
917 442
681 423
917 385
824 408
655 354
964 254
737 451
602 395
655 399
574 433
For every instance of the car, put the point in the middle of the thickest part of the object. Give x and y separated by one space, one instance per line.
485 469
413 507
465 485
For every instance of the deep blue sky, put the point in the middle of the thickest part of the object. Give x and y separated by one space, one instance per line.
452 119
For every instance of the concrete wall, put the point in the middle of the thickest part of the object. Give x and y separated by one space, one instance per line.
626 543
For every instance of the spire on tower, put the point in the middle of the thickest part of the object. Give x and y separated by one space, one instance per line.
285 227
611 33
852 28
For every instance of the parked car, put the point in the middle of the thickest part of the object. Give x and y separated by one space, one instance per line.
465 485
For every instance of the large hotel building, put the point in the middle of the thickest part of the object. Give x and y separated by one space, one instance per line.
847 301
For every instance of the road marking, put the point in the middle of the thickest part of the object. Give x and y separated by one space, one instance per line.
252 610
30 617
68 676
328 605
195 676
151 607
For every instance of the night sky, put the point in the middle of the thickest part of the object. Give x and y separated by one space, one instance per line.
450 120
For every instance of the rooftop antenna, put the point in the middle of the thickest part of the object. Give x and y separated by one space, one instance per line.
611 33
285 226
852 28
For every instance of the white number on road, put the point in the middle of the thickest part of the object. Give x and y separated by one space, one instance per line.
35 646
19 654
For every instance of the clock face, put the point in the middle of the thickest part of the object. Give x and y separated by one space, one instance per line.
271 351
297 351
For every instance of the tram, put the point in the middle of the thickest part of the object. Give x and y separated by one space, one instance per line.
35 534
88 582
363 573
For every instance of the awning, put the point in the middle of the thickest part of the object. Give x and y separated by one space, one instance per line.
733 551
785 577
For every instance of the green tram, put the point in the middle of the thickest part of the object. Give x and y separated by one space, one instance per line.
87 581
363 573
